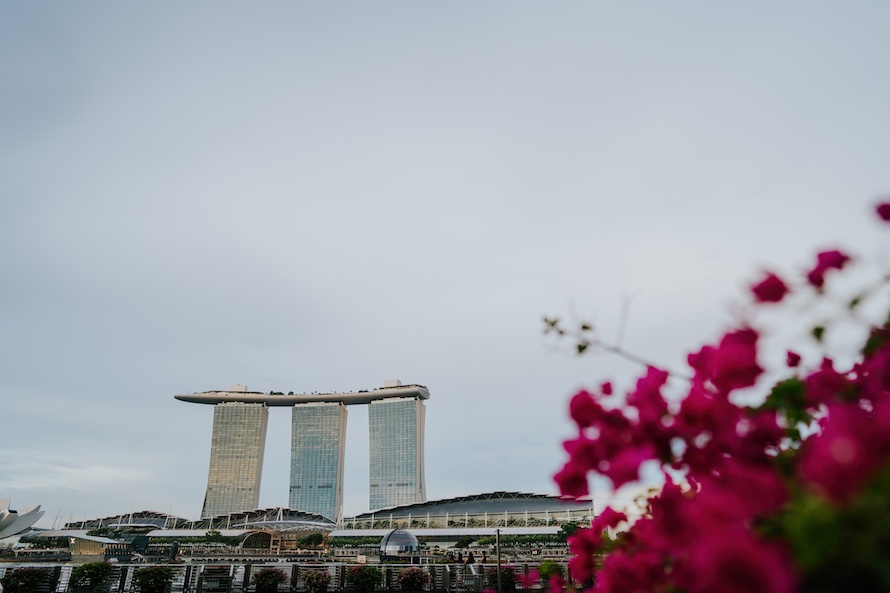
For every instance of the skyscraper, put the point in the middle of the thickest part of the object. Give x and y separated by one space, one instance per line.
396 427
236 458
318 443
396 440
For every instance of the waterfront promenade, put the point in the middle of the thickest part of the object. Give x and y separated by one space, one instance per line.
221 577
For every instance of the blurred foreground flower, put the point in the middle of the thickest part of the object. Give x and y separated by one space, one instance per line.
788 495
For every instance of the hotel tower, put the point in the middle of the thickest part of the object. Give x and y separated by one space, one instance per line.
396 415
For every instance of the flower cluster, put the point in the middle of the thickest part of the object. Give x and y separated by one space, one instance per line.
413 579
316 581
267 577
508 578
364 578
749 491
25 580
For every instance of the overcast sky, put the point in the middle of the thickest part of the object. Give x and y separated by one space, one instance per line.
319 196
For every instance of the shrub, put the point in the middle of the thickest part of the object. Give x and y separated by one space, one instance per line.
413 579
92 574
25 580
268 577
153 579
508 577
548 568
364 578
316 581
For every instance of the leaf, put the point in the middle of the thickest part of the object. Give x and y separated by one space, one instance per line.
818 332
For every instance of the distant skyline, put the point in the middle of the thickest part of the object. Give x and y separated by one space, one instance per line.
322 196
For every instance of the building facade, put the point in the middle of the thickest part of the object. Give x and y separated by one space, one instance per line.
237 446
318 445
318 438
395 428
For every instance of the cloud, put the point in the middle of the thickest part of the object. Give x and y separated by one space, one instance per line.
22 470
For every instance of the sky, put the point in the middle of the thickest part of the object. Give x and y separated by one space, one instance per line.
320 196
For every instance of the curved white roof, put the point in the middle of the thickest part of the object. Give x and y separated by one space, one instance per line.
15 522
352 397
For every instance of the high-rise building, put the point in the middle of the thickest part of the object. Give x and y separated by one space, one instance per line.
236 458
318 443
396 427
396 439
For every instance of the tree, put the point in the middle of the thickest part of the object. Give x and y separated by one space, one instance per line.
364 578
91 574
312 540
153 579
25 580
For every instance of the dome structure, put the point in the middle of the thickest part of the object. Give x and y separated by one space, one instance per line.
398 541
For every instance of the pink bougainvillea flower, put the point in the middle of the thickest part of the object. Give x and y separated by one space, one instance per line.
824 385
883 210
608 519
584 409
583 544
848 451
792 359
708 425
746 490
638 573
770 290
647 396
625 466
760 435
827 260
529 580
572 480
670 525
557 584
732 364
737 562
873 374
735 361
586 453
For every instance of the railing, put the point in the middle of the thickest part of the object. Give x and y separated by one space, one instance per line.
235 577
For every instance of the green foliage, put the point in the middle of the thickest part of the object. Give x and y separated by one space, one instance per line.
213 535
548 568
364 578
508 577
91 574
413 579
25 580
354 542
153 579
464 542
103 532
567 530
46 543
789 398
312 540
510 541
842 548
